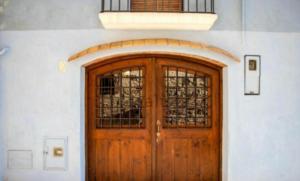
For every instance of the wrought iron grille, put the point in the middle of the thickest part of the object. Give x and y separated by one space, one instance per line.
187 98
119 99
182 6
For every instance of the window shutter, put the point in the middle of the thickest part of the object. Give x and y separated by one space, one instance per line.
156 5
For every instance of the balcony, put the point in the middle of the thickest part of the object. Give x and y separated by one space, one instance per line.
158 14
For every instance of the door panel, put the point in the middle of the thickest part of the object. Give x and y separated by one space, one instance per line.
124 159
188 144
153 119
119 121
186 159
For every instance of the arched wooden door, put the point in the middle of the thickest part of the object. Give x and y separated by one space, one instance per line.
153 118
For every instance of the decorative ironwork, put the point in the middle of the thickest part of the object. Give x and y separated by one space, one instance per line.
119 97
187 98
182 6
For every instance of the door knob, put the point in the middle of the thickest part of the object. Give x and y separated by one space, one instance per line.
158 124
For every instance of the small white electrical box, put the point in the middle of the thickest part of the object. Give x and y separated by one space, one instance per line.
252 74
19 159
55 153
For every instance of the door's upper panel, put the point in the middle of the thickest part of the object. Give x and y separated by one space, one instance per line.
119 98
186 98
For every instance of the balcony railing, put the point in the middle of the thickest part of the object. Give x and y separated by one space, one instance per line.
176 6
158 14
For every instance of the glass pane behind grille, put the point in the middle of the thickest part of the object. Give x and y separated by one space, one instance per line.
119 97
187 99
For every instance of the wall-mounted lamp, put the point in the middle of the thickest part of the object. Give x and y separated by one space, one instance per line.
62 66
4 50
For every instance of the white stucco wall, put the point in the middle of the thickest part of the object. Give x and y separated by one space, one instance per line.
272 15
1 149
258 15
36 99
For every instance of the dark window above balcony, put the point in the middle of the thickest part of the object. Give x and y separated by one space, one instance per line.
157 5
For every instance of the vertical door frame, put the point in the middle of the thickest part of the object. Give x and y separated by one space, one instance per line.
184 57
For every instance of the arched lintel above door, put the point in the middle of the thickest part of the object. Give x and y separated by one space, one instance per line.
154 42
161 54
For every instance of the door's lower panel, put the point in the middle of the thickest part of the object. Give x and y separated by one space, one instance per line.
126 159
187 159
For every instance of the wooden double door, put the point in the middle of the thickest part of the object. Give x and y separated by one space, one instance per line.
153 118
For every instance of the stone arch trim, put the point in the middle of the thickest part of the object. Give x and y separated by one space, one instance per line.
153 54
151 42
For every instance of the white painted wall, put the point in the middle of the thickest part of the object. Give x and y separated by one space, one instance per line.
266 15
36 99
2 167
272 15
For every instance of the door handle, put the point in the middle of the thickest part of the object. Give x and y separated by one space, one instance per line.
158 124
